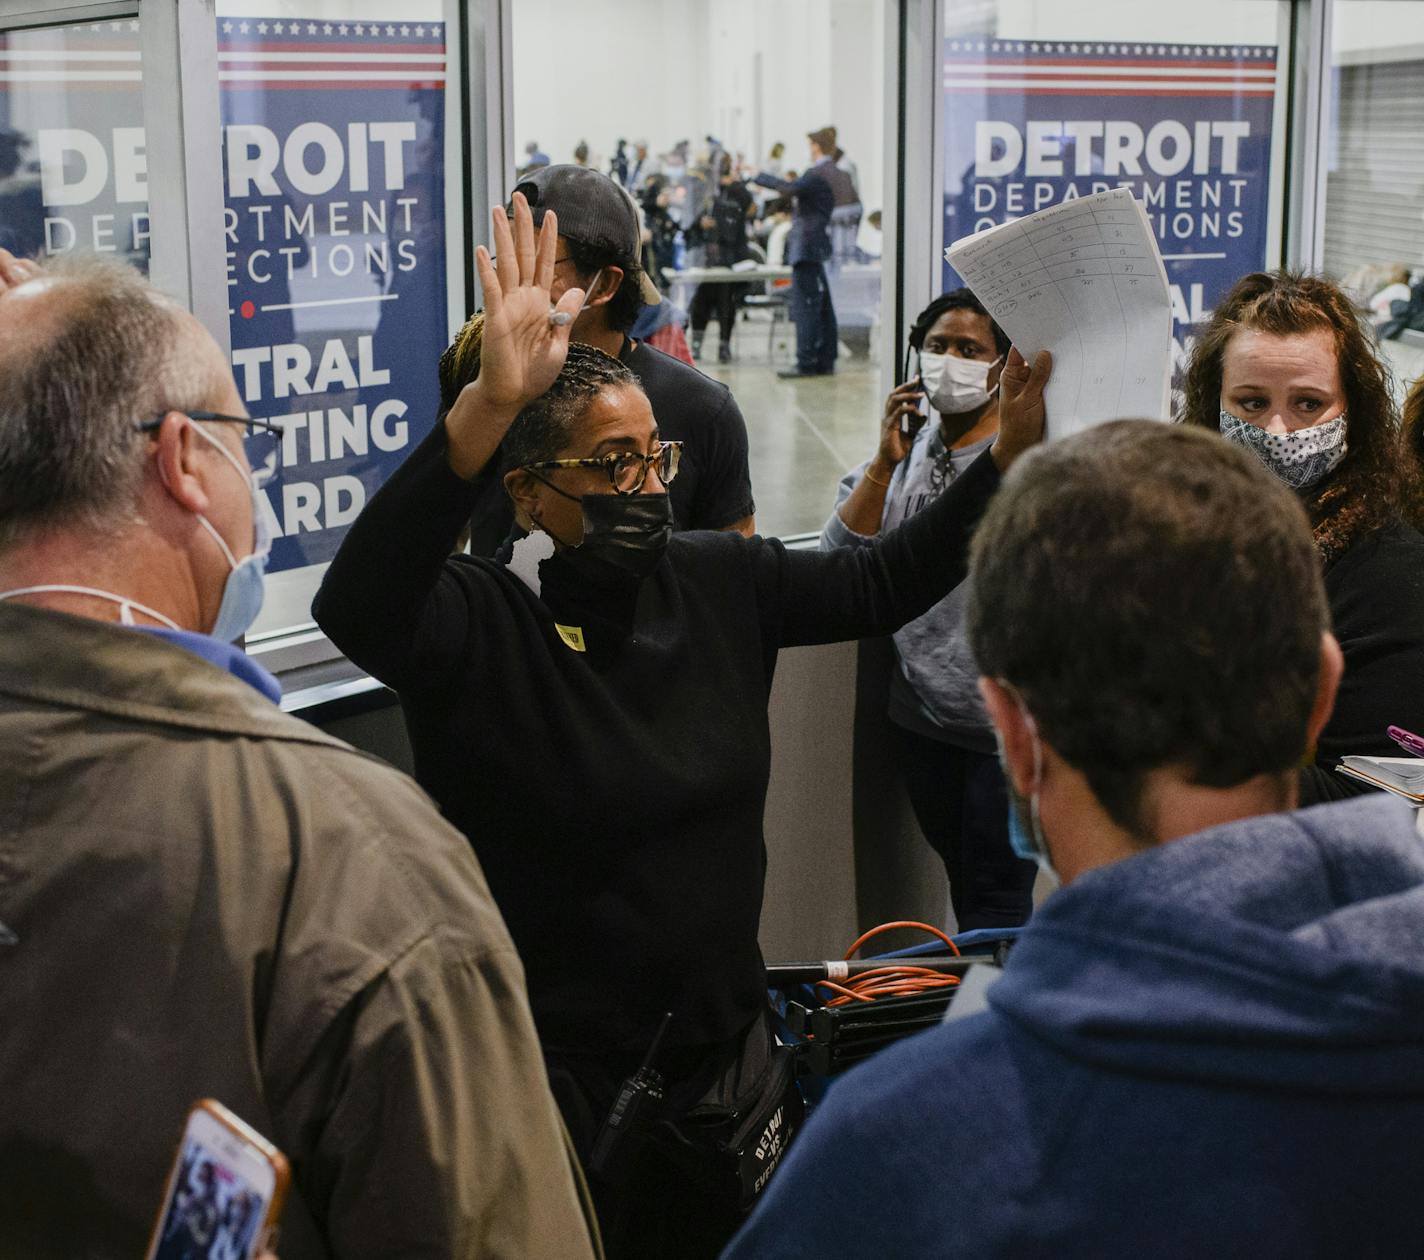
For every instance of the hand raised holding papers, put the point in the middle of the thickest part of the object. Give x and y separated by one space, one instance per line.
1022 414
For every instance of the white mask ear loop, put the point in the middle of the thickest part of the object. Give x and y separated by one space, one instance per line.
207 524
1034 791
1037 746
126 605
560 318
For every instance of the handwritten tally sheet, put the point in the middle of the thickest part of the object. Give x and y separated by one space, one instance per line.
1085 281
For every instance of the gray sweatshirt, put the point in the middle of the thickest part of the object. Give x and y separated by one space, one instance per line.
934 692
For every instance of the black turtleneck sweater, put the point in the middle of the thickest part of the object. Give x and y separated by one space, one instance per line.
615 795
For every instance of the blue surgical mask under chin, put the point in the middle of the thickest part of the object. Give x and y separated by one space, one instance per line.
1301 459
245 586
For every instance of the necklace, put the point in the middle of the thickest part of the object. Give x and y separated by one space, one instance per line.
942 471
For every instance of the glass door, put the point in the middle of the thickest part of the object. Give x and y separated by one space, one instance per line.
1185 106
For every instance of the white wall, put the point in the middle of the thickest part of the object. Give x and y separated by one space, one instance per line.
1209 21
603 69
747 71
1379 30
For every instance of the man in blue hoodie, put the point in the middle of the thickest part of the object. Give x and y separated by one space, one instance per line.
1210 1042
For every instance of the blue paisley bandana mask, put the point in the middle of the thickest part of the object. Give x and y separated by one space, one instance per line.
1301 459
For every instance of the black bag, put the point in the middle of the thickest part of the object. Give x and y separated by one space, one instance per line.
733 1138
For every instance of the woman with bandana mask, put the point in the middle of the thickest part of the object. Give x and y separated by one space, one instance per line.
1285 368
943 741
593 714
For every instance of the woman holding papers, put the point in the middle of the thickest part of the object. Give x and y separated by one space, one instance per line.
1285 369
592 714
943 740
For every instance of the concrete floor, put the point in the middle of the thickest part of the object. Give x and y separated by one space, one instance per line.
804 434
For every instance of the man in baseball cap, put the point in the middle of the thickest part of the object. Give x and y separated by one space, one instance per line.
600 249
599 222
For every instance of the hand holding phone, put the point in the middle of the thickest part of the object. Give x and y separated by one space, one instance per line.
911 417
225 1192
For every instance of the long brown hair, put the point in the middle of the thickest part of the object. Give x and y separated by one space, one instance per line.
1414 450
1367 491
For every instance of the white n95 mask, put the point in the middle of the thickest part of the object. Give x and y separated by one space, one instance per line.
954 385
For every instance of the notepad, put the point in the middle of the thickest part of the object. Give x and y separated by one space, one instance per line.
1084 280
1404 775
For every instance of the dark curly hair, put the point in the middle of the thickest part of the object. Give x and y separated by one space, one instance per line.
1367 491
546 426
1414 451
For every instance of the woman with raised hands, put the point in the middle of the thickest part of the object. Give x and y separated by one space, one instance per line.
592 714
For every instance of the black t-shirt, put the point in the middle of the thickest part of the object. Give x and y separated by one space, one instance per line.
713 488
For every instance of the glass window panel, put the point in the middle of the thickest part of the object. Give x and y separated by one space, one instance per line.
736 77
1374 199
73 170
335 115
1185 105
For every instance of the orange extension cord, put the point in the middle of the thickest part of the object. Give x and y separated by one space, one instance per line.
890 981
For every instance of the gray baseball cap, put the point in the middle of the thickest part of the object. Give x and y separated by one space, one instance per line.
593 210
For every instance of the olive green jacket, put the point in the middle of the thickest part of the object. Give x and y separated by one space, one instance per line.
204 897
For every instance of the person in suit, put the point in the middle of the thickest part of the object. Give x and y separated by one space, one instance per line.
807 249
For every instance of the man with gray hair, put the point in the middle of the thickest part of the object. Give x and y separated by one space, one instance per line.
203 897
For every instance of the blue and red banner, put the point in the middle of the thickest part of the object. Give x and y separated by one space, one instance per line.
73 164
1187 128
333 137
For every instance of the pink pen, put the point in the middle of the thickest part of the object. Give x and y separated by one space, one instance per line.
1407 740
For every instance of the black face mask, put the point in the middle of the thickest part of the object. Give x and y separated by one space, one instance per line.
629 532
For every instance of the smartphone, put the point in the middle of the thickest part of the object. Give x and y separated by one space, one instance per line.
910 424
225 1192
1407 740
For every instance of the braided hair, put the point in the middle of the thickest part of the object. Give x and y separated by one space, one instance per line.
546 426
954 300
460 363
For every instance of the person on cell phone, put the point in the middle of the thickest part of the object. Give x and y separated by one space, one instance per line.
944 742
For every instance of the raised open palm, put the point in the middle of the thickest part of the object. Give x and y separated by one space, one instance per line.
523 349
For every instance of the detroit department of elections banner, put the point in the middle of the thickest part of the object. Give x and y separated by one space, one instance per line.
333 134
332 141
1186 127
73 167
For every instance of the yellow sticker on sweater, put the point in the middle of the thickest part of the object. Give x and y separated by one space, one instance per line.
572 636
